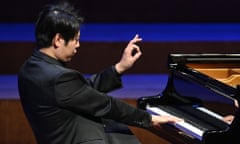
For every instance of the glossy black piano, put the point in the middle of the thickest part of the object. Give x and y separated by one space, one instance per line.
203 89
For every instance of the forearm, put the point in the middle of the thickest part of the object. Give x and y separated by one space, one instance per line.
107 80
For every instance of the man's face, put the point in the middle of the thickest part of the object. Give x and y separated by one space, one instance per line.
66 51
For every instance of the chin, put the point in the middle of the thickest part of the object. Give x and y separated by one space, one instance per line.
69 59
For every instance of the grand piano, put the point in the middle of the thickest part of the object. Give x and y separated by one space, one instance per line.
203 89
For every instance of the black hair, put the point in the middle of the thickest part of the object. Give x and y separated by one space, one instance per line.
60 17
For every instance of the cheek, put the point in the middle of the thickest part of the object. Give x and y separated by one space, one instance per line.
74 48
71 49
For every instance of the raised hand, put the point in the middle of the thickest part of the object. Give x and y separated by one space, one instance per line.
130 55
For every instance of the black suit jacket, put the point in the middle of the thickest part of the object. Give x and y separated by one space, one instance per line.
63 107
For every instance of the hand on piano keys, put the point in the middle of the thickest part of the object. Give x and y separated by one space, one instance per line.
184 126
229 118
157 120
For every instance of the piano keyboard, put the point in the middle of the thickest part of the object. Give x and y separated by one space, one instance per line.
196 129
183 126
210 113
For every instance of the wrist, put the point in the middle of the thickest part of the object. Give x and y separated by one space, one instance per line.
119 69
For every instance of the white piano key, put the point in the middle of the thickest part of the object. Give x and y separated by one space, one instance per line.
210 112
218 116
183 126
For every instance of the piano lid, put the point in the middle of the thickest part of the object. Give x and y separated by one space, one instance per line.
208 80
203 89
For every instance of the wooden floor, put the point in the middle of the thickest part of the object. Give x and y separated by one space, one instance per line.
14 128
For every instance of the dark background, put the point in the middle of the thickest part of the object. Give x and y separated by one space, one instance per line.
131 10
95 56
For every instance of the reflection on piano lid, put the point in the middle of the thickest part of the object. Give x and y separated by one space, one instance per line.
201 89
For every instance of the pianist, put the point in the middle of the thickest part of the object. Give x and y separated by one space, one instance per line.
61 105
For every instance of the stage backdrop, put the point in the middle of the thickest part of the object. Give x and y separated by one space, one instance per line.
131 10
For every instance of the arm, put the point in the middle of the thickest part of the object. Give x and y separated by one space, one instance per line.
106 80
74 94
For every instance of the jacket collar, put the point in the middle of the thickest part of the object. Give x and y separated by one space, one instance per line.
47 58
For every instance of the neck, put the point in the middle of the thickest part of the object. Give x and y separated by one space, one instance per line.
48 51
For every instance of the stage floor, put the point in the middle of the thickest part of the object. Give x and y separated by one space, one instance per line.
135 86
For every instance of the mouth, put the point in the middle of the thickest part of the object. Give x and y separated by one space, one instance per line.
75 51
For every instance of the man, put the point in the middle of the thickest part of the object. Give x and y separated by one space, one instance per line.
61 105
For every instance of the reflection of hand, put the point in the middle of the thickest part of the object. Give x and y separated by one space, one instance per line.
130 55
228 119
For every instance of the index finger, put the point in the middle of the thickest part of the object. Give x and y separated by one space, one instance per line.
136 39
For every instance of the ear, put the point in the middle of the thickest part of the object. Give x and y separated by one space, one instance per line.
58 40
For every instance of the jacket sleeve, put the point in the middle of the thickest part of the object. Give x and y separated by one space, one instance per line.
106 80
74 94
